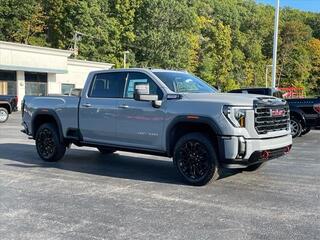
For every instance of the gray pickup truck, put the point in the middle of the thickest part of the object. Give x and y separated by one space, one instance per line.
162 112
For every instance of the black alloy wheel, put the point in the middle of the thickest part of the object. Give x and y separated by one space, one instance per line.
48 144
195 159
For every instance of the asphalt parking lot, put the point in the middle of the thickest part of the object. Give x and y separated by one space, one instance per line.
132 196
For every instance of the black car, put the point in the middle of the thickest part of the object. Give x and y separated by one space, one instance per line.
304 112
8 104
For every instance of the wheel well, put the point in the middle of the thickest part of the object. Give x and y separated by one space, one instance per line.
183 128
7 107
299 117
41 119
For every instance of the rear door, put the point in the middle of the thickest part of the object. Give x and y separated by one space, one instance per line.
98 109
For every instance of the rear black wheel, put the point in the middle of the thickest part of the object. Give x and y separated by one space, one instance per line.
4 115
296 127
105 150
195 159
49 146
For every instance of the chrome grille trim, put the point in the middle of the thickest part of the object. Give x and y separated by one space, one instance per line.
265 122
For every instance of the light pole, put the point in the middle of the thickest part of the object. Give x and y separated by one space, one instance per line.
125 58
275 44
267 67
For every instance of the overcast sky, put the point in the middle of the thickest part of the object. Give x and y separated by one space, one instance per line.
307 5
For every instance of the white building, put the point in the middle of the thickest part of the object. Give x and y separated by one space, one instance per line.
31 70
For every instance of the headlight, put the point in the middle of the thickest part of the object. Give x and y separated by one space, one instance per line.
236 115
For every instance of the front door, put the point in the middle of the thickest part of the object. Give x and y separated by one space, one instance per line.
98 110
140 124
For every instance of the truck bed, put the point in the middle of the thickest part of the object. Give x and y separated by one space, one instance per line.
65 108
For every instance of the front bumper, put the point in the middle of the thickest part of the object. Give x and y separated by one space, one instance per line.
238 152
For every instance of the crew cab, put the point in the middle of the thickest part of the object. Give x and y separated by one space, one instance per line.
162 112
304 112
8 104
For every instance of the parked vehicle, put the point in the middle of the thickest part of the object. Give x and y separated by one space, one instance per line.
162 112
8 104
261 91
305 115
304 112
75 92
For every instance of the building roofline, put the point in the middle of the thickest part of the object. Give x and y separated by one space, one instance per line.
35 49
78 62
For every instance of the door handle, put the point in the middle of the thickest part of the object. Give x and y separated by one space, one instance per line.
123 106
87 105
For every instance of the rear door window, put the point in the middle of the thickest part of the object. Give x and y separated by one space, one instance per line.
108 85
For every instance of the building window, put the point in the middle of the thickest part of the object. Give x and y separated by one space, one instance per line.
66 88
36 83
8 83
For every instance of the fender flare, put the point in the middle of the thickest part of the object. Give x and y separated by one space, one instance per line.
46 112
184 119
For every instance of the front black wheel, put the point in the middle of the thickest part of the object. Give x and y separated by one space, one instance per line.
4 115
49 146
195 159
296 127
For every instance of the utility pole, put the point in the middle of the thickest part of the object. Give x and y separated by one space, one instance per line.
125 58
77 36
275 44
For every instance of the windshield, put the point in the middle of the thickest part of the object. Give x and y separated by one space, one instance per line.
180 82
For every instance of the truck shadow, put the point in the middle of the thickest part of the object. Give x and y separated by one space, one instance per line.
137 167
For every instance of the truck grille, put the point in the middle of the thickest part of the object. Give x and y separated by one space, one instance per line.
271 118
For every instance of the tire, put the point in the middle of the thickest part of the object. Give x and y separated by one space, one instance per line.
296 127
49 146
4 115
195 159
105 150
305 131
254 167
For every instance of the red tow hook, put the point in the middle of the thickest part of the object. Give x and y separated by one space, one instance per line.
287 149
265 155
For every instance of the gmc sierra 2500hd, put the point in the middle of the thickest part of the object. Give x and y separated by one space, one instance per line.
162 112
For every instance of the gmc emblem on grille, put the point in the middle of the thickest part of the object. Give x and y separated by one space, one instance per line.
277 112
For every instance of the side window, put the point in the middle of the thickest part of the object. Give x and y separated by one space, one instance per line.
108 85
136 77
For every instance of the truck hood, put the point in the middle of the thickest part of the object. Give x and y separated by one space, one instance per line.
225 98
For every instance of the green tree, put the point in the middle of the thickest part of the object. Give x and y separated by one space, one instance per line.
163 28
294 61
22 21
314 79
215 55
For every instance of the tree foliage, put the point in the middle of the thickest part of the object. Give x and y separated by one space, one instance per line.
227 43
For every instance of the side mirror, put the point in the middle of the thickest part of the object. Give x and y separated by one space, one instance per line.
142 93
